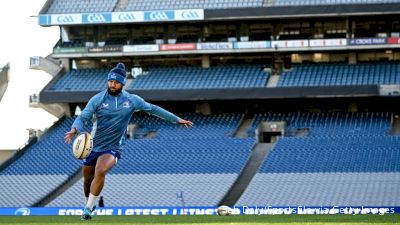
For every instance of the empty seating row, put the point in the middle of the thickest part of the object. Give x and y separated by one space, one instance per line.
42 168
334 154
330 124
135 5
197 155
81 6
26 190
328 74
88 6
43 157
82 80
323 189
193 162
167 78
149 190
332 166
215 126
196 77
237 76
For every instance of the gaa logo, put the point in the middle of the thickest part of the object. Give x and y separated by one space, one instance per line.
190 15
126 17
65 19
22 212
159 16
96 18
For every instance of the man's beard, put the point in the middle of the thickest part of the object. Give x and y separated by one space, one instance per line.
114 93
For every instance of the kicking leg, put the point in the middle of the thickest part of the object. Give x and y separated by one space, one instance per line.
104 163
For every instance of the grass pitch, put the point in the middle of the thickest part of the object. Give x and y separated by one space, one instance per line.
209 220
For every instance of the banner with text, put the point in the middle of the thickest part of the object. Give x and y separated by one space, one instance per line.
290 44
215 46
121 17
69 50
237 210
251 44
328 42
394 40
367 41
105 49
178 47
140 48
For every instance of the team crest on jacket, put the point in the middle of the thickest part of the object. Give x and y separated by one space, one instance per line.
126 104
104 105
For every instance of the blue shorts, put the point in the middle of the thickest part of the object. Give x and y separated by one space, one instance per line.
91 160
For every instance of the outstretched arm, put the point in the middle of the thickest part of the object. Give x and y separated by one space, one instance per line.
186 123
142 105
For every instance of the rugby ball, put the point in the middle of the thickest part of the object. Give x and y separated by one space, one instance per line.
224 210
82 146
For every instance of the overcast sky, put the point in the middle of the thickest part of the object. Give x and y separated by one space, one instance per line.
20 38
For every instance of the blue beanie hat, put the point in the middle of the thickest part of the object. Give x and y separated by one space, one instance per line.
118 73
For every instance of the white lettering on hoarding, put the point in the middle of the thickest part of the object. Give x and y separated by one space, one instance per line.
367 41
66 19
328 42
96 18
251 44
126 17
189 14
290 44
140 48
158 16
209 46
177 47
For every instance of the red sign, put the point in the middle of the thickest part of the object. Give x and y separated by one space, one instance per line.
394 40
177 47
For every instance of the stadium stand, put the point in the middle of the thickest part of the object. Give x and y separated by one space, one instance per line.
80 6
344 151
38 172
337 124
194 162
190 4
231 76
348 159
84 79
338 96
238 76
297 189
328 74
90 6
228 76
215 126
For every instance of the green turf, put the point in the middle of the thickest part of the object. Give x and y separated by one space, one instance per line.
214 220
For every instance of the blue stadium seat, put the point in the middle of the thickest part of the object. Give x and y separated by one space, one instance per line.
229 76
338 74
79 6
